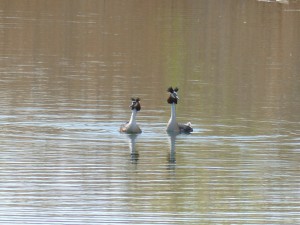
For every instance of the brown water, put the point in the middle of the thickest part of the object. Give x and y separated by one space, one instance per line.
68 70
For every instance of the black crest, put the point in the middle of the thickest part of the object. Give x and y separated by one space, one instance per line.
173 95
135 104
170 89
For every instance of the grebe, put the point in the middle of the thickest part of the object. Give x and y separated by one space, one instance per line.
131 127
173 126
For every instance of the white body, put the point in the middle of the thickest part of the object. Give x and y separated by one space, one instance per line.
174 127
131 126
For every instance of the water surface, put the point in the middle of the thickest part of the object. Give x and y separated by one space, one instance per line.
68 71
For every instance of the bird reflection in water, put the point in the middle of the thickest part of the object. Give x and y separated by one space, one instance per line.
172 152
134 154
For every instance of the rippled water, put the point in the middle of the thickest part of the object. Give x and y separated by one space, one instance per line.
68 70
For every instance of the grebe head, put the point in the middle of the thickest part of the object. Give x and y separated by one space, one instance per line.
173 95
135 104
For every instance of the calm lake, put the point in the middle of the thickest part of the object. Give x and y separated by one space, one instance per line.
68 69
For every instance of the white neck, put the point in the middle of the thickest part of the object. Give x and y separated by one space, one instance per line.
172 124
132 120
173 113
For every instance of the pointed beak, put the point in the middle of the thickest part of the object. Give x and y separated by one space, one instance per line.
132 104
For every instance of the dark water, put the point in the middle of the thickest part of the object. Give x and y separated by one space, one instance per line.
68 70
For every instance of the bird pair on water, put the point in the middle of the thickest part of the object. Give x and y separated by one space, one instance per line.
172 126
